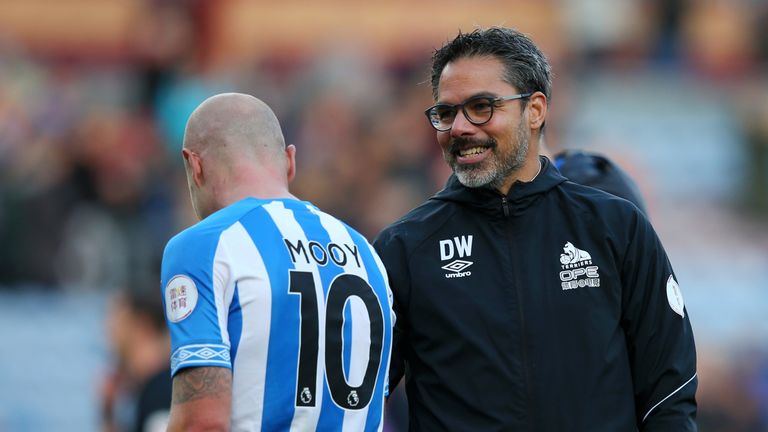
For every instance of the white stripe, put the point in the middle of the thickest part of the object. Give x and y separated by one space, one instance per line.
223 363
361 325
668 396
201 346
361 340
255 295
223 286
304 418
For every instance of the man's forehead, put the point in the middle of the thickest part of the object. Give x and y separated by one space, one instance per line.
472 76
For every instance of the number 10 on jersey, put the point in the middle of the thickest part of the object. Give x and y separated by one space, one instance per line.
340 291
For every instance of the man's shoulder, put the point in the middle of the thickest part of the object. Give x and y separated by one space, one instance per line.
418 223
592 198
208 230
193 237
599 212
331 219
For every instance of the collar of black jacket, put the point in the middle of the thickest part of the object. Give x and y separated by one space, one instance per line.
521 196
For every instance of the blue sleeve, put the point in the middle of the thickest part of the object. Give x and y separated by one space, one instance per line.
193 300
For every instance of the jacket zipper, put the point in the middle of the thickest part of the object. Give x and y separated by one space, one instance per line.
526 371
505 207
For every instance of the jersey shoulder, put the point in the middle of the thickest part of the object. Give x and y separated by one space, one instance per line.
210 228
193 248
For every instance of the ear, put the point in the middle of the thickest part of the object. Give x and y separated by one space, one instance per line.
290 154
537 110
194 166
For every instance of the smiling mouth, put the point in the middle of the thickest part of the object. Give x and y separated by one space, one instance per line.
471 151
463 146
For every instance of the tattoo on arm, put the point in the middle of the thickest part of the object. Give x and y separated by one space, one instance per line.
201 382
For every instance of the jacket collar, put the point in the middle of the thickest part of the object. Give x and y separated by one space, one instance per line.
521 195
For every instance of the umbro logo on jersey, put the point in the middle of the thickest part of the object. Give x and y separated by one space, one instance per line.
577 269
457 246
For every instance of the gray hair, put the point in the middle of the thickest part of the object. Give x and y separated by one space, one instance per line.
525 66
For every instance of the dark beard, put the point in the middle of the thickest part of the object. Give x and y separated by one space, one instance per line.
483 175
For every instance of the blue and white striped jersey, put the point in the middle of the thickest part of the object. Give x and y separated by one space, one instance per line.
295 302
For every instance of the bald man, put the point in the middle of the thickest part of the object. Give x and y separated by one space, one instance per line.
280 315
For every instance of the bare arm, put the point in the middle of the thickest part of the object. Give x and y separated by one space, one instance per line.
202 399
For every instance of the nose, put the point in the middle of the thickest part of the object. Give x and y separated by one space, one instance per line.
462 126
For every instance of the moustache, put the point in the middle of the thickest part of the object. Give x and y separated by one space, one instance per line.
459 143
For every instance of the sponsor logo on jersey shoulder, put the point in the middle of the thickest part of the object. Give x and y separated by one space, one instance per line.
180 298
456 247
675 296
577 270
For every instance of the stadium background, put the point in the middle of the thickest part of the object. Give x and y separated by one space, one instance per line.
94 95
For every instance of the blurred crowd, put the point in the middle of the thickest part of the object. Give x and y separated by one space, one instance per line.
92 185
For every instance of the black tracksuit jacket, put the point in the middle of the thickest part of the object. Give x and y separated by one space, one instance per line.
553 308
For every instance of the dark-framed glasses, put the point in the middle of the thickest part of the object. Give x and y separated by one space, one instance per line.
478 110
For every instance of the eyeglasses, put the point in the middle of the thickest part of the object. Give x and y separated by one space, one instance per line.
478 111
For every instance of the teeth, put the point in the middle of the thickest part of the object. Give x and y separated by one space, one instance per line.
471 151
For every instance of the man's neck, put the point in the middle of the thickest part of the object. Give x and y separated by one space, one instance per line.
526 174
264 190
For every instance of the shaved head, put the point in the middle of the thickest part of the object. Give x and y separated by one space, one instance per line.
232 126
234 149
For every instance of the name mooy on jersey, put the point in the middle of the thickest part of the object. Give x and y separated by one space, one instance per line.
321 254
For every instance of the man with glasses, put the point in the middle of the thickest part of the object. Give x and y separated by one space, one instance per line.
526 301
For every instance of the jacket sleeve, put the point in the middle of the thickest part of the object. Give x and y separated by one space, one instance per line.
659 335
392 254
